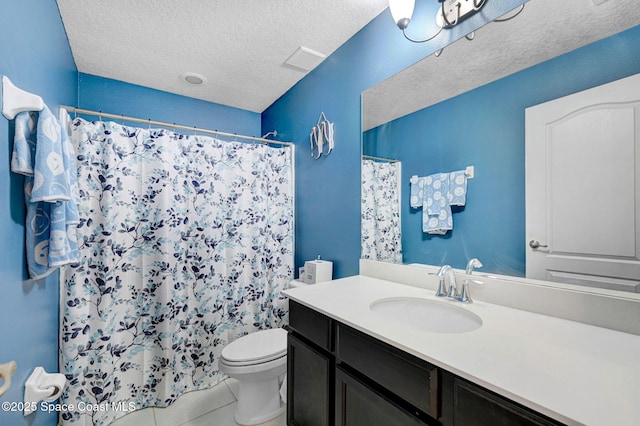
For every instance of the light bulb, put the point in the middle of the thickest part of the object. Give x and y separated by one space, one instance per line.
401 11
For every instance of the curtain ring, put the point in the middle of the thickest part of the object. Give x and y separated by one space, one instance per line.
122 119
149 123
100 115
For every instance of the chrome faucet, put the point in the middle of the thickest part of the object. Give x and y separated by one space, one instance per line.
473 263
452 291
443 291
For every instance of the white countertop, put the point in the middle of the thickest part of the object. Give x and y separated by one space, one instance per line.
572 372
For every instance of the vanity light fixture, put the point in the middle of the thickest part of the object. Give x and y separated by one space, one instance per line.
450 13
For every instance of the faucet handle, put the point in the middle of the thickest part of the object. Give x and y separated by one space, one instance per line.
473 263
465 296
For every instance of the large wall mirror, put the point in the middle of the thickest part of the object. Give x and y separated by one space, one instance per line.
466 107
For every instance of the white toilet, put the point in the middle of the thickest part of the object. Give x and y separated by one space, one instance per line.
258 361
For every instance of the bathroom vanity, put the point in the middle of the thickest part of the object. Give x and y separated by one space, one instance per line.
351 365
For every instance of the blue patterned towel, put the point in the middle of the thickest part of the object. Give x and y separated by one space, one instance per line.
43 154
457 188
417 191
436 194
436 214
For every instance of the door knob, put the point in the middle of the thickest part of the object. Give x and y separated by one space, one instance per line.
534 244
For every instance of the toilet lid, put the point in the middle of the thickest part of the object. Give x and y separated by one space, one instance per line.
260 346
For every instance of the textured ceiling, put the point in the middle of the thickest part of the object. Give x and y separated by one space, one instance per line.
544 30
238 46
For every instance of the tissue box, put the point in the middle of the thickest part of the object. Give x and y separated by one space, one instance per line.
316 271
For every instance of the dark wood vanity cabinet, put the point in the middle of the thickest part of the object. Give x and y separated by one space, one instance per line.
337 375
467 404
309 384
359 403
310 368
409 384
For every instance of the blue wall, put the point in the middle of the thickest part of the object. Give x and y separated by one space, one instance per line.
35 55
328 189
491 137
117 97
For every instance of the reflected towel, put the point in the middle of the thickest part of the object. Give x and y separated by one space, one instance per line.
436 214
417 191
457 194
436 194
46 159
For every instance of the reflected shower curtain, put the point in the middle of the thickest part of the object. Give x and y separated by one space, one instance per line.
381 237
186 243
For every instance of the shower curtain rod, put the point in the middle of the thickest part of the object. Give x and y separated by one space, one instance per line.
371 157
170 125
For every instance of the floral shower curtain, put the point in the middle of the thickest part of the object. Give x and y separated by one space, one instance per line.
186 243
381 236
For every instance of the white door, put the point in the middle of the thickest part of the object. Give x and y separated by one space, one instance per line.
583 187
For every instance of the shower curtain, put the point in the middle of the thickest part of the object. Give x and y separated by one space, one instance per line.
186 243
380 224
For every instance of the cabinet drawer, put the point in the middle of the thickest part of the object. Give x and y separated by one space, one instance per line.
357 404
406 376
311 324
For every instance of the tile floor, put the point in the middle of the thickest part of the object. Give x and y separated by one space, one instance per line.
211 407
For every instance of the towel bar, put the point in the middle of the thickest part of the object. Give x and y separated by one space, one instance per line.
469 172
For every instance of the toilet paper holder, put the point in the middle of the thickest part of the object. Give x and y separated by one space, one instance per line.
6 371
42 386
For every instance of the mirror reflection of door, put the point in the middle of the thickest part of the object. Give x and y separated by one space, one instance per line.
583 187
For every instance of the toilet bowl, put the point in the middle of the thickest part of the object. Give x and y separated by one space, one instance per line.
258 361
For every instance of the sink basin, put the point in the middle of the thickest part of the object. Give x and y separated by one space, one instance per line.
428 315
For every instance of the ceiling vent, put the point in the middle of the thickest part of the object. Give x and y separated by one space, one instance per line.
304 59
193 79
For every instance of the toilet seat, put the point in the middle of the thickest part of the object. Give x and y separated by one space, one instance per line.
256 348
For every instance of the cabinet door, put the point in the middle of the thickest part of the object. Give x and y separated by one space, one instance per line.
475 406
358 404
309 385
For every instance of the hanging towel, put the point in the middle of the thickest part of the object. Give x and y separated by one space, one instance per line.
457 194
436 194
43 154
436 211
417 191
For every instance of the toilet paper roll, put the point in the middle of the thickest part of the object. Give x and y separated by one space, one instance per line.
54 385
